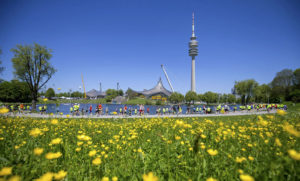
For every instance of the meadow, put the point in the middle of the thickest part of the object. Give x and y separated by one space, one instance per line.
252 147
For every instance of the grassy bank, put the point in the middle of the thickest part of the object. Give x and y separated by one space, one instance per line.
225 148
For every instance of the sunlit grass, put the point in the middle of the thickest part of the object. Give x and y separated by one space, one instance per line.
223 148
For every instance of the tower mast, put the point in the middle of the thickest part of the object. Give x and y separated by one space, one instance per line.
193 52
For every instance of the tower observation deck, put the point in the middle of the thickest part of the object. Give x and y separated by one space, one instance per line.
193 52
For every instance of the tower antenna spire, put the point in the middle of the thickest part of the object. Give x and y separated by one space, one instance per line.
193 27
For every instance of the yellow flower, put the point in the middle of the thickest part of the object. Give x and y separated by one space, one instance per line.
4 110
277 142
114 179
5 171
140 150
240 171
294 154
38 151
51 155
281 112
45 99
177 138
14 178
54 121
79 143
212 152
35 132
60 175
211 179
149 177
250 158
46 177
290 129
245 177
68 115
56 141
240 160
96 161
78 149
92 153
84 137
105 179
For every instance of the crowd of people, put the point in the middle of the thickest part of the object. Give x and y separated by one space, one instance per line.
130 110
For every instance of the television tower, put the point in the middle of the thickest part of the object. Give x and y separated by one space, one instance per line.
193 52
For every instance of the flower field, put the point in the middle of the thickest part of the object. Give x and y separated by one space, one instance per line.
222 148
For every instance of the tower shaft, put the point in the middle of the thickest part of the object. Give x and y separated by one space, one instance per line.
193 76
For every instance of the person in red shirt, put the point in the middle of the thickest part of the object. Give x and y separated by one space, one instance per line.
91 108
100 109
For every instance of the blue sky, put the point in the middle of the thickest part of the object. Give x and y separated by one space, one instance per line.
126 41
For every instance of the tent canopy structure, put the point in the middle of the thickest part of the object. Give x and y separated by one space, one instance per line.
159 89
95 94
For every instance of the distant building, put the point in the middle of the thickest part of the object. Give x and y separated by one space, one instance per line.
157 92
119 100
94 94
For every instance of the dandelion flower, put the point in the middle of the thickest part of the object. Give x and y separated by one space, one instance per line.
60 175
4 110
35 132
211 179
5 171
250 158
212 152
14 178
277 142
294 154
84 137
51 155
92 153
149 177
56 141
240 159
290 129
96 161
281 112
78 149
114 178
54 121
105 179
38 151
245 177
46 177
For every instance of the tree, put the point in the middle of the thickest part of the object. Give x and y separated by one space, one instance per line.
262 93
210 97
111 94
31 64
50 93
1 68
246 89
297 78
77 94
131 94
231 98
14 91
282 83
176 97
190 96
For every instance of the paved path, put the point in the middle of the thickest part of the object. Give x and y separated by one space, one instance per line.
238 113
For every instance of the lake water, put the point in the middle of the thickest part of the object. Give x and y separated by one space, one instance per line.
65 108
